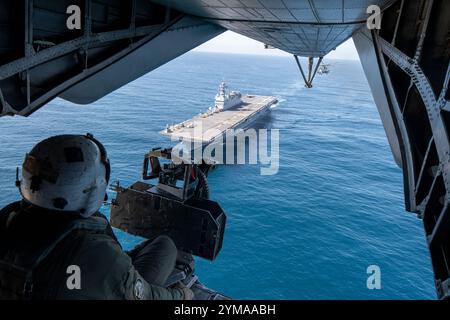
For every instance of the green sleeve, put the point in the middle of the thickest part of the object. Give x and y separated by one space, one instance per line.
136 288
130 285
107 273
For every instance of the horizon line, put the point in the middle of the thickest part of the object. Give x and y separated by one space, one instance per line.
287 55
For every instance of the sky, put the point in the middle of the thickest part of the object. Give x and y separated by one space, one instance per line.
230 42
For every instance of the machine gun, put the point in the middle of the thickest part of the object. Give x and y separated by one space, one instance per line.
177 205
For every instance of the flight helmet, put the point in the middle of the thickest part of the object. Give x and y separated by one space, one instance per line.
68 173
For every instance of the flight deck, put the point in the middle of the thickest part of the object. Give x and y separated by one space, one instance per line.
207 126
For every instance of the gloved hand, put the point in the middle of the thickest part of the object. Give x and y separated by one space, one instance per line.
187 293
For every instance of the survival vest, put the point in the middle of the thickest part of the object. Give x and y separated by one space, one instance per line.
19 257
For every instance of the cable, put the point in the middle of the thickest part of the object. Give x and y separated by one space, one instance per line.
203 184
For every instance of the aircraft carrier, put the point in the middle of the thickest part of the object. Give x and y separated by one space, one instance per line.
230 111
404 50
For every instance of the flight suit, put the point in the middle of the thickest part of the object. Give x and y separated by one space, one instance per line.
40 249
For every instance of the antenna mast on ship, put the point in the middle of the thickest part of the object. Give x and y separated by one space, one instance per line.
222 87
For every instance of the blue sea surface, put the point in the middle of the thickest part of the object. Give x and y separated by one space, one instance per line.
310 231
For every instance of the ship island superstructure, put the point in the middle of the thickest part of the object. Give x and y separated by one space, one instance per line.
231 110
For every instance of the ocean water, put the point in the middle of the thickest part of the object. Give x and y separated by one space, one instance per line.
310 231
